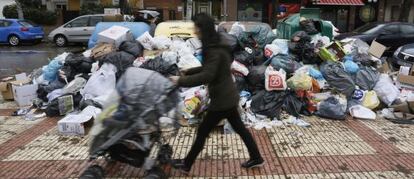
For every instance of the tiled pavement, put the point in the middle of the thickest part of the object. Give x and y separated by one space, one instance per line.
328 149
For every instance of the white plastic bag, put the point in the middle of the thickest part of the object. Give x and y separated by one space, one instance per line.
101 83
271 50
282 44
194 44
275 80
386 90
162 42
194 101
181 48
187 62
237 66
147 41
362 112
170 57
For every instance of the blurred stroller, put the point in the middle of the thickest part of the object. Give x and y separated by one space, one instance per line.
144 117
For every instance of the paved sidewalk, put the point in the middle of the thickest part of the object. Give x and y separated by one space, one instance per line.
328 149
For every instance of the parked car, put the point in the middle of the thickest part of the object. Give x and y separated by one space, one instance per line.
403 56
391 35
137 29
80 29
15 31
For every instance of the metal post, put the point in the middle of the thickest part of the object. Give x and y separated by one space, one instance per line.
189 9
224 10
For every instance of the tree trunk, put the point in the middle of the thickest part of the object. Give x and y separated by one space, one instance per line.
19 9
405 10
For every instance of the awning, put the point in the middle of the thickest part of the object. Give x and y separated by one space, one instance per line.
339 2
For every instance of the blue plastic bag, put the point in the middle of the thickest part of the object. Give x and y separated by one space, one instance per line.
315 74
350 66
50 71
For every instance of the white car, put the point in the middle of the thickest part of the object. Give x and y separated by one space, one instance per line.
80 29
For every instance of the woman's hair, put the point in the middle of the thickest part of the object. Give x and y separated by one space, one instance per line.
206 25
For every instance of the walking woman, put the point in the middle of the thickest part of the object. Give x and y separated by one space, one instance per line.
215 73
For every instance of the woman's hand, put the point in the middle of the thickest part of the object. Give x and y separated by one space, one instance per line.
174 79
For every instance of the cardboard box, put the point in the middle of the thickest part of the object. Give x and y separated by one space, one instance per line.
24 93
6 85
406 81
406 107
385 68
102 49
6 90
152 52
77 124
376 49
115 35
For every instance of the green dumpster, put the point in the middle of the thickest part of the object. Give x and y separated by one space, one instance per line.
288 26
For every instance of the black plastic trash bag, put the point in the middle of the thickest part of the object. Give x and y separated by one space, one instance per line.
303 50
256 77
241 82
331 108
244 57
363 59
268 103
133 48
338 78
308 26
76 64
285 62
159 65
43 90
54 107
294 106
230 40
121 60
366 78
258 37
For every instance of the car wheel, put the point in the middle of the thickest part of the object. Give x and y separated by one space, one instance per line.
14 40
60 41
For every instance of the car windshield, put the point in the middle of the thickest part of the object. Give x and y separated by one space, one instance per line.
369 28
27 23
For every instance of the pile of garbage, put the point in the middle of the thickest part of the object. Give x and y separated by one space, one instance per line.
279 80
282 80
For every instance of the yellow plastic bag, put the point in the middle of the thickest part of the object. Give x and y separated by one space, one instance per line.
300 81
370 100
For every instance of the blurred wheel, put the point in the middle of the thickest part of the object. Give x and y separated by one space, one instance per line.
14 40
60 41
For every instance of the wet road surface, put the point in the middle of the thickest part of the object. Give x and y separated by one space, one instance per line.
26 58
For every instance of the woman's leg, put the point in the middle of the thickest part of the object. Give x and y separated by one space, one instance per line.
237 124
207 125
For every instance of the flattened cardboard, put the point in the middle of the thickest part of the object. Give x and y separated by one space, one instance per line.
376 49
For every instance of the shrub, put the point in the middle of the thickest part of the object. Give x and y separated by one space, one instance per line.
38 16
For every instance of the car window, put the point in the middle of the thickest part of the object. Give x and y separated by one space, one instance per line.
81 22
26 23
94 20
4 23
407 29
391 29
